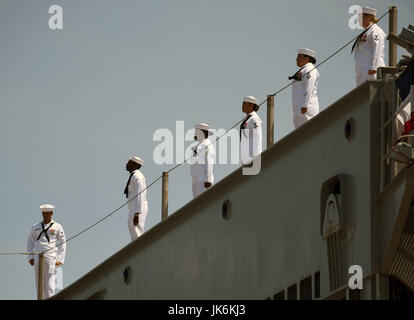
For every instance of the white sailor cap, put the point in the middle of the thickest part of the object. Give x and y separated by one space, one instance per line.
47 208
202 126
250 99
369 10
307 52
137 160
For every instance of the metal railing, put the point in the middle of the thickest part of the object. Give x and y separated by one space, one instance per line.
393 114
40 271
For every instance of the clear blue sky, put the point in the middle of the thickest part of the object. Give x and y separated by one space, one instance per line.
78 102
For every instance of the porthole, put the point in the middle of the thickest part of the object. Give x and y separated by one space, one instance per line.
350 129
226 210
127 275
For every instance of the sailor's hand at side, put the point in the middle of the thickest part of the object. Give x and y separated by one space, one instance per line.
207 184
136 218
371 72
304 110
31 261
58 264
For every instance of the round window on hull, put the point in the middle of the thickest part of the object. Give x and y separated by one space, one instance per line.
350 129
226 210
127 274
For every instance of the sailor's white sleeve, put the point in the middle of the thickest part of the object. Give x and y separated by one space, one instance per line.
61 243
31 242
257 134
208 165
140 182
374 42
135 202
309 82
256 129
300 91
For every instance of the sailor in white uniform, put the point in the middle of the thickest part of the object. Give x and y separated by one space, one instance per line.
48 236
136 193
201 164
305 101
250 131
369 48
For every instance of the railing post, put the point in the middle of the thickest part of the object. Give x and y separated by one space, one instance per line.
411 139
382 146
270 120
412 97
394 124
40 277
164 204
392 52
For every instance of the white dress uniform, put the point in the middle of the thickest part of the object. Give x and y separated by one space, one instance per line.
42 238
305 92
201 165
250 134
137 204
369 51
